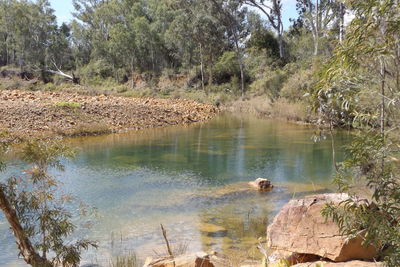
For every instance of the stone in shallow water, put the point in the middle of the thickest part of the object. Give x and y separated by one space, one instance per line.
261 184
200 259
213 230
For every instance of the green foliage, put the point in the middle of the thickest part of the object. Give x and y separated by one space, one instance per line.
66 104
365 67
371 160
30 37
96 71
298 84
263 39
43 211
226 67
270 84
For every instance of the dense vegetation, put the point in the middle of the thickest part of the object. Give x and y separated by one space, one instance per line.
350 76
234 47
360 87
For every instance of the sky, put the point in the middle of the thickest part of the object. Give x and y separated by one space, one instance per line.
63 9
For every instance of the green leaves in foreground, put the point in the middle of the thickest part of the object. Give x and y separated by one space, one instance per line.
41 207
360 88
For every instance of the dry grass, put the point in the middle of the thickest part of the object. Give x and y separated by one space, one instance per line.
127 260
290 111
280 109
255 105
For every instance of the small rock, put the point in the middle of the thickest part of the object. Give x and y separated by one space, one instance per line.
213 230
261 184
200 259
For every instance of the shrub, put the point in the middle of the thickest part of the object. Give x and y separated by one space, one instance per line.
226 67
96 71
66 104
270 84
297 84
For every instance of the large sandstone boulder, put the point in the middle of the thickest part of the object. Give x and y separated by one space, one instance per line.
340 264
300 228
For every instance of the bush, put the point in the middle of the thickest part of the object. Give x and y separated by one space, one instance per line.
264 40
226 67
258 62
96 71
270 84
297 84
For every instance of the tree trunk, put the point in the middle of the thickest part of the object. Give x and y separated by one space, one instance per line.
72 77
202 68
316 35
278 11
240 61
24 245
382 115
341 26
211 74
280 42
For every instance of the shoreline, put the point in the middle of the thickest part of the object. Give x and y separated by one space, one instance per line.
43 114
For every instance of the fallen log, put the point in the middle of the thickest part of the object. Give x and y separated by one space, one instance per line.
72 78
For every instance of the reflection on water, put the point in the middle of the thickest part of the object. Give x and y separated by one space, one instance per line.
193 181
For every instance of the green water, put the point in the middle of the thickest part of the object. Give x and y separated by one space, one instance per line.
193 180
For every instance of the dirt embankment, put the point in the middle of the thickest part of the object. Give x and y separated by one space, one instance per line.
43 114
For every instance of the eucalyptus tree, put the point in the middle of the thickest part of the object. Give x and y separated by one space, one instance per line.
319 16
198 31
360 87
37 211
27 29
272 9
261 36
233 16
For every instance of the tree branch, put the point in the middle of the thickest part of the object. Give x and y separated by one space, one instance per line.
24 244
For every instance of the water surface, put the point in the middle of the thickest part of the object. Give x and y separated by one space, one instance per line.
193 180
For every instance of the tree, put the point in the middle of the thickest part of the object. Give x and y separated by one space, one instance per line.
272 9
37 213
233 18
319 16
360 87
261 37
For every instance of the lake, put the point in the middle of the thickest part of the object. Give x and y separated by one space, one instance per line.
193 180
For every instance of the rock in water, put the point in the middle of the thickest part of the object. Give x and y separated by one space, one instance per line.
261 184
199 259
300 228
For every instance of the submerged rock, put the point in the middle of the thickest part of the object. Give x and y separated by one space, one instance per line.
262 184
213 230
300 228
200 259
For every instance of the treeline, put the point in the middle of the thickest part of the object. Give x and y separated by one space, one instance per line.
217 41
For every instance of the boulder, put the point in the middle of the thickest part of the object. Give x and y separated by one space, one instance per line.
300 228
340 264
261 184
